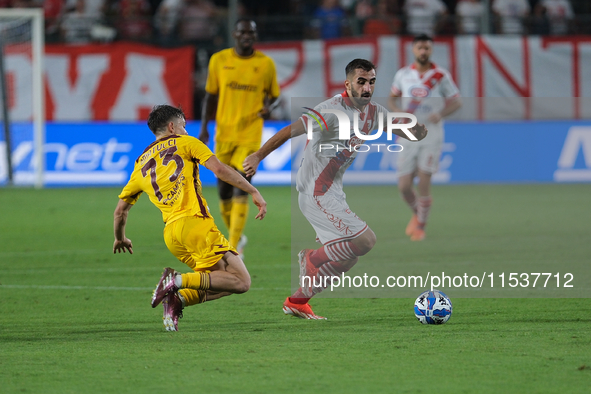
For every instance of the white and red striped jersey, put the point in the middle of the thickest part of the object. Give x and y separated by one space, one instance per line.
326 158
424 94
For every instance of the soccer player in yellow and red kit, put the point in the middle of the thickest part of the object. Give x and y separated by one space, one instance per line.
243 83
168 172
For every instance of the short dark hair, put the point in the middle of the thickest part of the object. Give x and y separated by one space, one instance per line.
363 64
161 115
243 19
422 37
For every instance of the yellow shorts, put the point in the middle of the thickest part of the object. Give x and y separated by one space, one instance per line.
197 242
234 153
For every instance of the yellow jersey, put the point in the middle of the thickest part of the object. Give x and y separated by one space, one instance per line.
168 171
241 84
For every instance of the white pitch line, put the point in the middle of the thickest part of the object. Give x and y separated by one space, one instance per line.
104 251
49 287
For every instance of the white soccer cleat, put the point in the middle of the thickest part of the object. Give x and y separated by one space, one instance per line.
165 285
173 311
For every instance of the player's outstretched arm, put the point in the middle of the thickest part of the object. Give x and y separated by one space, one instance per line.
251 163
210 102
229 175
121 243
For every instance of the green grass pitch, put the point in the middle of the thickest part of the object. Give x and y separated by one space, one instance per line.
74 318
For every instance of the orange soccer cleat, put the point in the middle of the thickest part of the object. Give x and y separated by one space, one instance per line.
412 225
303 311
418 234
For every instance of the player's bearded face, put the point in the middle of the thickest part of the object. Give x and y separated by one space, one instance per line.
422 51
360 86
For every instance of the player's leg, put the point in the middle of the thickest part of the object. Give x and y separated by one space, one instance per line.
314 281
239 215
215 295
405 187
340 251
225 193
174 303
423 206
344 251
216 264
224 151
229 275
240 203
198 243
407 170
428 164
332 259
193 297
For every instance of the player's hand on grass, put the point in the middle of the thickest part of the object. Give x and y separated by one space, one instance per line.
122 245
419 131
251 164
261 204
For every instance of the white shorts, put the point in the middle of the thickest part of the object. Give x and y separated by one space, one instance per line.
331 218
424 157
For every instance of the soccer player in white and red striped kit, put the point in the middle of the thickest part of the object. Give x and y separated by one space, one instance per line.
427 91
319 182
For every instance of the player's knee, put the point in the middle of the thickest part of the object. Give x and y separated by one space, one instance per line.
404 186
242 285
366 242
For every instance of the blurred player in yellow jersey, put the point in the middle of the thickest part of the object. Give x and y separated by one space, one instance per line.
242 83
168 172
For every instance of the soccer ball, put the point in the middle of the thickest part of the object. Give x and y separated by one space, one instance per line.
433 307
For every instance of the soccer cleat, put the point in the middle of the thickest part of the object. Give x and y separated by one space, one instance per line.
173 311
164 286
303 311
241 244
306 269
412 225
418 234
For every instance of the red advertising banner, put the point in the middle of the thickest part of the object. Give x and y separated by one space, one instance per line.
120 81
482 66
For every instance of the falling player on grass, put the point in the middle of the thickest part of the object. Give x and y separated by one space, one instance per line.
343 234
168 172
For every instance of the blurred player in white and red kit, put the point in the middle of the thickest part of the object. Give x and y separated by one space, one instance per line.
319 181
427 91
